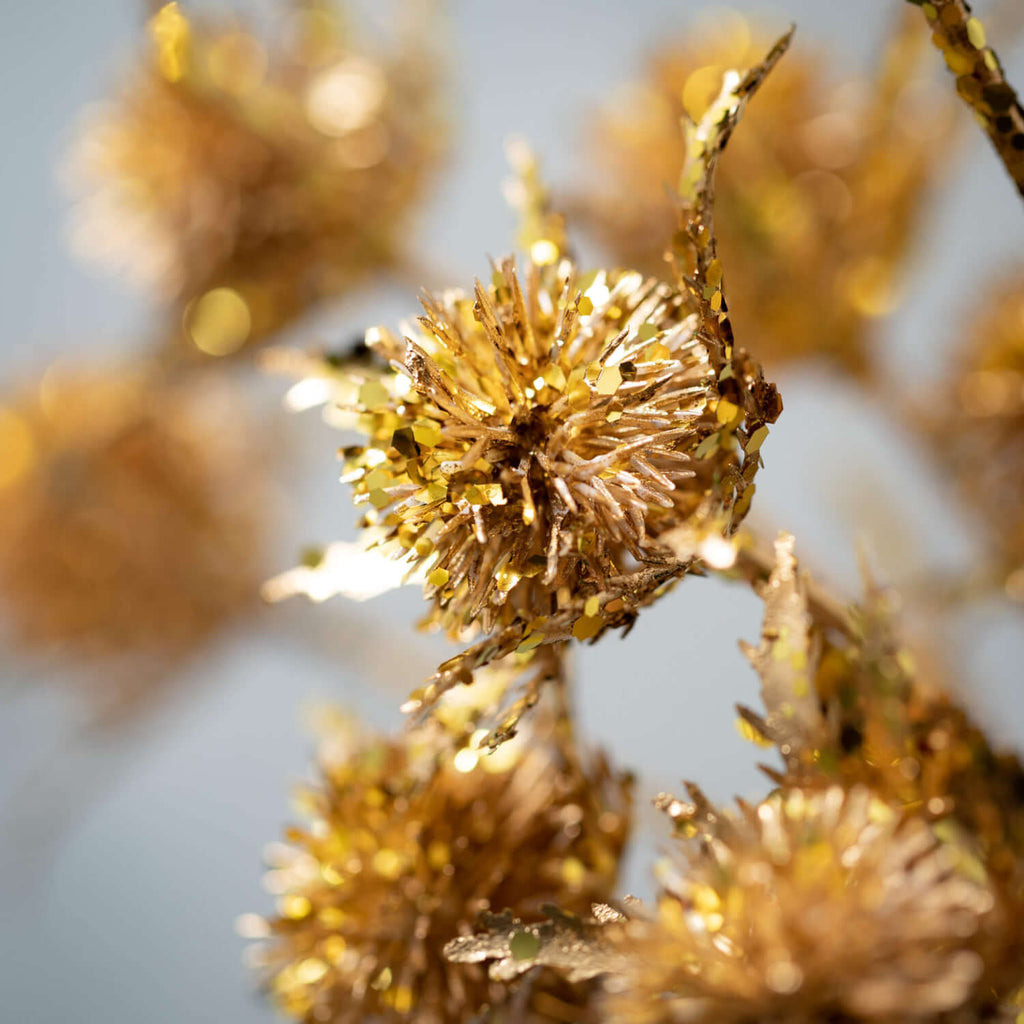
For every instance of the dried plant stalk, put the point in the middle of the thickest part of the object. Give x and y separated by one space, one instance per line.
979 79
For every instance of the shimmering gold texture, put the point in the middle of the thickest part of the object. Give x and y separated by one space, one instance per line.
130 517
976 424
544 432
808 907
979 79
881 882
410 840
819 196
244 179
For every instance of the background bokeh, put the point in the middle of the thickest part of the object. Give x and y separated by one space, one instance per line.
124 858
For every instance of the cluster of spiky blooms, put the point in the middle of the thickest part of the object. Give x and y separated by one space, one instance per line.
979 434
881 882
555 449
130 521
244 181
411 839
520 455
818 199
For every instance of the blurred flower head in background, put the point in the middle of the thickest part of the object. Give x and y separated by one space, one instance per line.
243 176
132 516
976 424
410 840
819 196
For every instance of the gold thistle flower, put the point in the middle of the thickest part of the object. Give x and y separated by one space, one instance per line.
811 906
244 182
818 199
979 437
559 445
544 433
129 519
408 845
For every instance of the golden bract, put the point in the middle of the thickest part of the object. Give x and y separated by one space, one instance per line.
409 842
818 196
244 180
130 520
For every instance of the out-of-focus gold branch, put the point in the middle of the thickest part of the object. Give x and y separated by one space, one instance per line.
979 79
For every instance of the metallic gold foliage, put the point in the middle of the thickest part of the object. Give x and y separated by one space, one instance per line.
556 449
130 518
244 179
818 198
979 79
811 906
410 841
855 708
976 429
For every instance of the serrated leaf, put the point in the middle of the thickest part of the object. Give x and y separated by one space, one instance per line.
570 945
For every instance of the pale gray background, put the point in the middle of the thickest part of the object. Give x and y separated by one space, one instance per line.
125 862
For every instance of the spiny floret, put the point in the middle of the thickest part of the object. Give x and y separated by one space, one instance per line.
536 441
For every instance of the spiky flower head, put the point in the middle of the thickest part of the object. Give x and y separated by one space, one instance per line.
541 433
409 842
243 180
811 906
819 196
130 520
976 425
557 447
